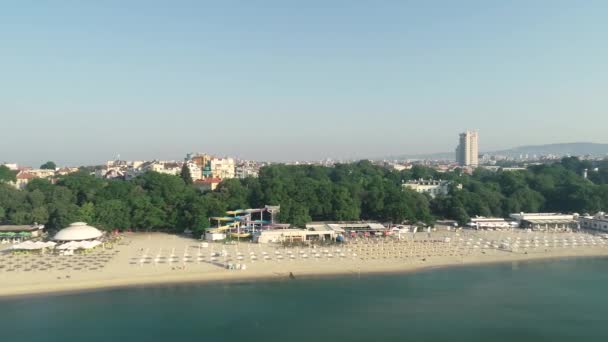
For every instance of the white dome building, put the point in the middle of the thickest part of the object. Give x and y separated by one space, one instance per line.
78 231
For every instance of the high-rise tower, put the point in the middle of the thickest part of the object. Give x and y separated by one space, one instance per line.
467 152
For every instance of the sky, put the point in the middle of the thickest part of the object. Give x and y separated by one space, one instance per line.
84 81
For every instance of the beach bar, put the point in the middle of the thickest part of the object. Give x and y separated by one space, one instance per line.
598 221
20 231
546 221
294 235
352 227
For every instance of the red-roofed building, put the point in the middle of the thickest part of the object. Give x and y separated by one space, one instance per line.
22 179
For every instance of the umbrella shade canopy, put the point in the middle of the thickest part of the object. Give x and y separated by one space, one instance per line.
79 245
29 245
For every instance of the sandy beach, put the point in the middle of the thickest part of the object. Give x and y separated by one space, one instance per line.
141 259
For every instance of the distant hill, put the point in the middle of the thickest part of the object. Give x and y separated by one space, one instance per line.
561 149
428 156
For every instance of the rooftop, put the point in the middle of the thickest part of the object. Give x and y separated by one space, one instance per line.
551 221
25 175
208 180
19 228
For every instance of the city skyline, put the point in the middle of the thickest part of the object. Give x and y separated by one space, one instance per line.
280 82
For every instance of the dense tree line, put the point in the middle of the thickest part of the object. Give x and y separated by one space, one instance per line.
355 191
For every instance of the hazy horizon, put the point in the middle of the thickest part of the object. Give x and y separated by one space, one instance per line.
274 81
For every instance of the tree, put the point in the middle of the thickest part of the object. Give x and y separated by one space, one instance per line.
49 165
40 215
86 212
294 213
7 175
36 198
61 215
145 215
83 185
233 193
193 215
361 190
113 214
19 217
185 174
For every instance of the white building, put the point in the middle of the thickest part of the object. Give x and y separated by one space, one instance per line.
467 152
195 171
346 227
295 235
546 221
11 166
481 222
25 176
165 167
246 169
429 186
223 168
22 179
596 222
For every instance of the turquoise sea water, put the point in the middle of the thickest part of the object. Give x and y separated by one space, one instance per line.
533 301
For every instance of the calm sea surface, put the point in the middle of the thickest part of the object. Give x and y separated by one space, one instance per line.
562 300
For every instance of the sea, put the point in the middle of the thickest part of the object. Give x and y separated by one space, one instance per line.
557 300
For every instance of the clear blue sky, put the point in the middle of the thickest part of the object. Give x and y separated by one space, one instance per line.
81 81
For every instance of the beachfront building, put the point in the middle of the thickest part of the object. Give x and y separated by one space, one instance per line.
598 221
12 232
78 231
445 224
546 221
215 236
428 186
351 227
295 235
481 222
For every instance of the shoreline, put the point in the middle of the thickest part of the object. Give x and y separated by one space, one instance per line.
225 276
